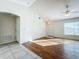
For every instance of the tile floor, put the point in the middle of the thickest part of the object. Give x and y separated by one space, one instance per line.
14 51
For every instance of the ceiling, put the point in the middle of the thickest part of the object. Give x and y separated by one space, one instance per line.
26 3
52 9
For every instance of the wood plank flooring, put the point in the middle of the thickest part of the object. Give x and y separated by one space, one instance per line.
63 49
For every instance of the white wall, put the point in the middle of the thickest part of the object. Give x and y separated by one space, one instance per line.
18 29
7 28
38 27
56 28
26 20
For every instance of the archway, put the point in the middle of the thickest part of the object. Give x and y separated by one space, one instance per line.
9 27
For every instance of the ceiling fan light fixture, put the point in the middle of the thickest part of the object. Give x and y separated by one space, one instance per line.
67 13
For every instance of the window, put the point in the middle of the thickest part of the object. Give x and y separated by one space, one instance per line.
71 28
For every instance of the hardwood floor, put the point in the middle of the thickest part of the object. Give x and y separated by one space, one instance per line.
61 49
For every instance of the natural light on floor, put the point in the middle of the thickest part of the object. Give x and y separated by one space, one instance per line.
46 42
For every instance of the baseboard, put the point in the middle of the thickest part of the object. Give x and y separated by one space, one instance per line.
7 43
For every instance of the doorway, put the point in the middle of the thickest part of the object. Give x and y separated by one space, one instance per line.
9 28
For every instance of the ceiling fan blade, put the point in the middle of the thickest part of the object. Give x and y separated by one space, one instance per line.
74 11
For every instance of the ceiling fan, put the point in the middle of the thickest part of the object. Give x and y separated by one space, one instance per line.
68 12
